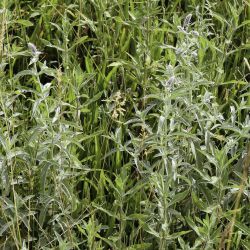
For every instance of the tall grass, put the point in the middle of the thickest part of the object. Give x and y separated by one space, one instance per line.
124 124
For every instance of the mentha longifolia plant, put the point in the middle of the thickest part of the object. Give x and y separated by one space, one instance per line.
124 124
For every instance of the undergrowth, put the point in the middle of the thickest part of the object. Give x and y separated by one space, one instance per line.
124 124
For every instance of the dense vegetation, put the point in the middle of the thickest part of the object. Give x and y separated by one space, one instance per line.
124 124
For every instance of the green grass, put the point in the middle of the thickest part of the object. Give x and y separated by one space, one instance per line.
124 124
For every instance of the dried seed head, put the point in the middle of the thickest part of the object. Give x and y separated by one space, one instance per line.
2 30
116 104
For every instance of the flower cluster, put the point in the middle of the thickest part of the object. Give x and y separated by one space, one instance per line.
116 104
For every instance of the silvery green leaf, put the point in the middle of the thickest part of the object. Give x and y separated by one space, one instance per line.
187 21
32 48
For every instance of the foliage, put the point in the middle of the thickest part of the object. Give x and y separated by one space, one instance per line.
124 124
